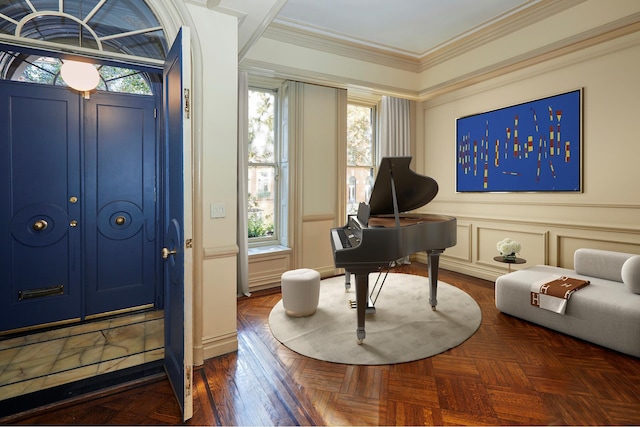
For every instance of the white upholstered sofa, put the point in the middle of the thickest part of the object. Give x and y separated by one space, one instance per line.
605 312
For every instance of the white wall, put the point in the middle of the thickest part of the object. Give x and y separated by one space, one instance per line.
215 73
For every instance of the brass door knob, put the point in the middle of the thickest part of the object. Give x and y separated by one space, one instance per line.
166 253
120 220
40 225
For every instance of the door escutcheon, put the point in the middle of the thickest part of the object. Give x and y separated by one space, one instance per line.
40 225
73 223
166 253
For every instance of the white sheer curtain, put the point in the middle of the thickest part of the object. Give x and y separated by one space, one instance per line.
243 158
394 133
394 128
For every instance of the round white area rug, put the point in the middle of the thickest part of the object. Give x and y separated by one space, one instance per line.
403 329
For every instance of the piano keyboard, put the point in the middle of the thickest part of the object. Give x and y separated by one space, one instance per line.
345 240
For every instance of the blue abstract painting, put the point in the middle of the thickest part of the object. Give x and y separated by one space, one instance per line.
534 146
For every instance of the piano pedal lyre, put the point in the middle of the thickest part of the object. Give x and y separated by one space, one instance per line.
371 309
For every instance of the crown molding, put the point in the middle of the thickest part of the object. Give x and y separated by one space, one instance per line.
215 5
262 27
202 3
534 11
264 82
277 71
614 30
505 25
280 31
541 10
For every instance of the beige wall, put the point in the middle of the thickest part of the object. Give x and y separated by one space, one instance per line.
549 225
576 24
322 127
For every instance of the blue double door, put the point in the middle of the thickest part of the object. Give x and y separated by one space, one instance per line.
79 214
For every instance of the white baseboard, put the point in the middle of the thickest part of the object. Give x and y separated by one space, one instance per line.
219 345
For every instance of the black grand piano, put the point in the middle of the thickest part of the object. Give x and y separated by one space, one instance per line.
381 234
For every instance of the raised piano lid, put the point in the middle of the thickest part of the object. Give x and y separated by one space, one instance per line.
412 190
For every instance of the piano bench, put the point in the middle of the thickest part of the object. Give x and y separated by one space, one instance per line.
300 292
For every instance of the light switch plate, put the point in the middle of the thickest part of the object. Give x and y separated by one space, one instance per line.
218 210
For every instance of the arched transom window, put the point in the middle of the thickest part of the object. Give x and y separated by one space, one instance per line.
46 70
126 27
123 26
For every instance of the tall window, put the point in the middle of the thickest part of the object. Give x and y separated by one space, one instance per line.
263 167
360 155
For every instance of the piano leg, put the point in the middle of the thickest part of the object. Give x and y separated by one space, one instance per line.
362 301
347 281
434 259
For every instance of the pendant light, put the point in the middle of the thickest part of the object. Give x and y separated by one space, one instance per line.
81 76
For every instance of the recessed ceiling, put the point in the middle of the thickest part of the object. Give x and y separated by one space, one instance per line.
410 27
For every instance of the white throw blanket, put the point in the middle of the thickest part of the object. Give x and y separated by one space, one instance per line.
553 292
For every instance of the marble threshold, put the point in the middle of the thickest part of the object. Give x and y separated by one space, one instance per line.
43 360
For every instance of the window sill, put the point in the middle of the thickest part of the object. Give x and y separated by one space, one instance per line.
266 250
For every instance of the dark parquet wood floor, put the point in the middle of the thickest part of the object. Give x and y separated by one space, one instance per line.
509 372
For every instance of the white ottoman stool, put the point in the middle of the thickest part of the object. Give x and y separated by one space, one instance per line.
300 291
